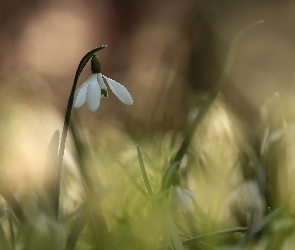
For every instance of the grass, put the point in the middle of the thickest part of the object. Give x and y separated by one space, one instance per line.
211 187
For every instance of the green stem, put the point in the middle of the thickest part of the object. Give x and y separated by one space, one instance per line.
81 66
212 97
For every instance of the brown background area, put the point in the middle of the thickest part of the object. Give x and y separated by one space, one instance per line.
162 51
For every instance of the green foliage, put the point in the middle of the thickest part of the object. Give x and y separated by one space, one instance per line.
229 190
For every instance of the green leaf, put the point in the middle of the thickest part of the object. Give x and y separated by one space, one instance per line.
143 172
77 229
3 240
50 173
173 228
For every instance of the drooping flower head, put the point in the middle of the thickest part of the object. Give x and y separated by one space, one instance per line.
94 88
183 198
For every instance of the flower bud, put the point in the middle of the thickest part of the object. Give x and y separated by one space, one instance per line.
175 179
95 65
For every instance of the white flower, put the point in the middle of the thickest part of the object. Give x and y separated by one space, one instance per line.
183 198
245 200
94 88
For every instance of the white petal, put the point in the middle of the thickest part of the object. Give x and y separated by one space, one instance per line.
120 91
101 84
180 199
80 94
175 202
194 196
93 96
186 200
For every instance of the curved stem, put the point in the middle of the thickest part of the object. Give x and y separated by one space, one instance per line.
81 66
212 97
214 93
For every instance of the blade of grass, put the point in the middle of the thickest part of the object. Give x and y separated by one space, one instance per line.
13 203
217 233
266 220
77 229
3 240
143 172
173 228
50 172
71 214
11 230
99 228
95 213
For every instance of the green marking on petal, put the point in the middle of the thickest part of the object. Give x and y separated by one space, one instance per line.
104 93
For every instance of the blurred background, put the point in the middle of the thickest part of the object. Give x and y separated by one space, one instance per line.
162 51
168 54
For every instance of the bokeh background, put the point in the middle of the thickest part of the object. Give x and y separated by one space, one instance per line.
168 54
162 51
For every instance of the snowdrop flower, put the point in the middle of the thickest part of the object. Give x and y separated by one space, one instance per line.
184 198
245 200
94 88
